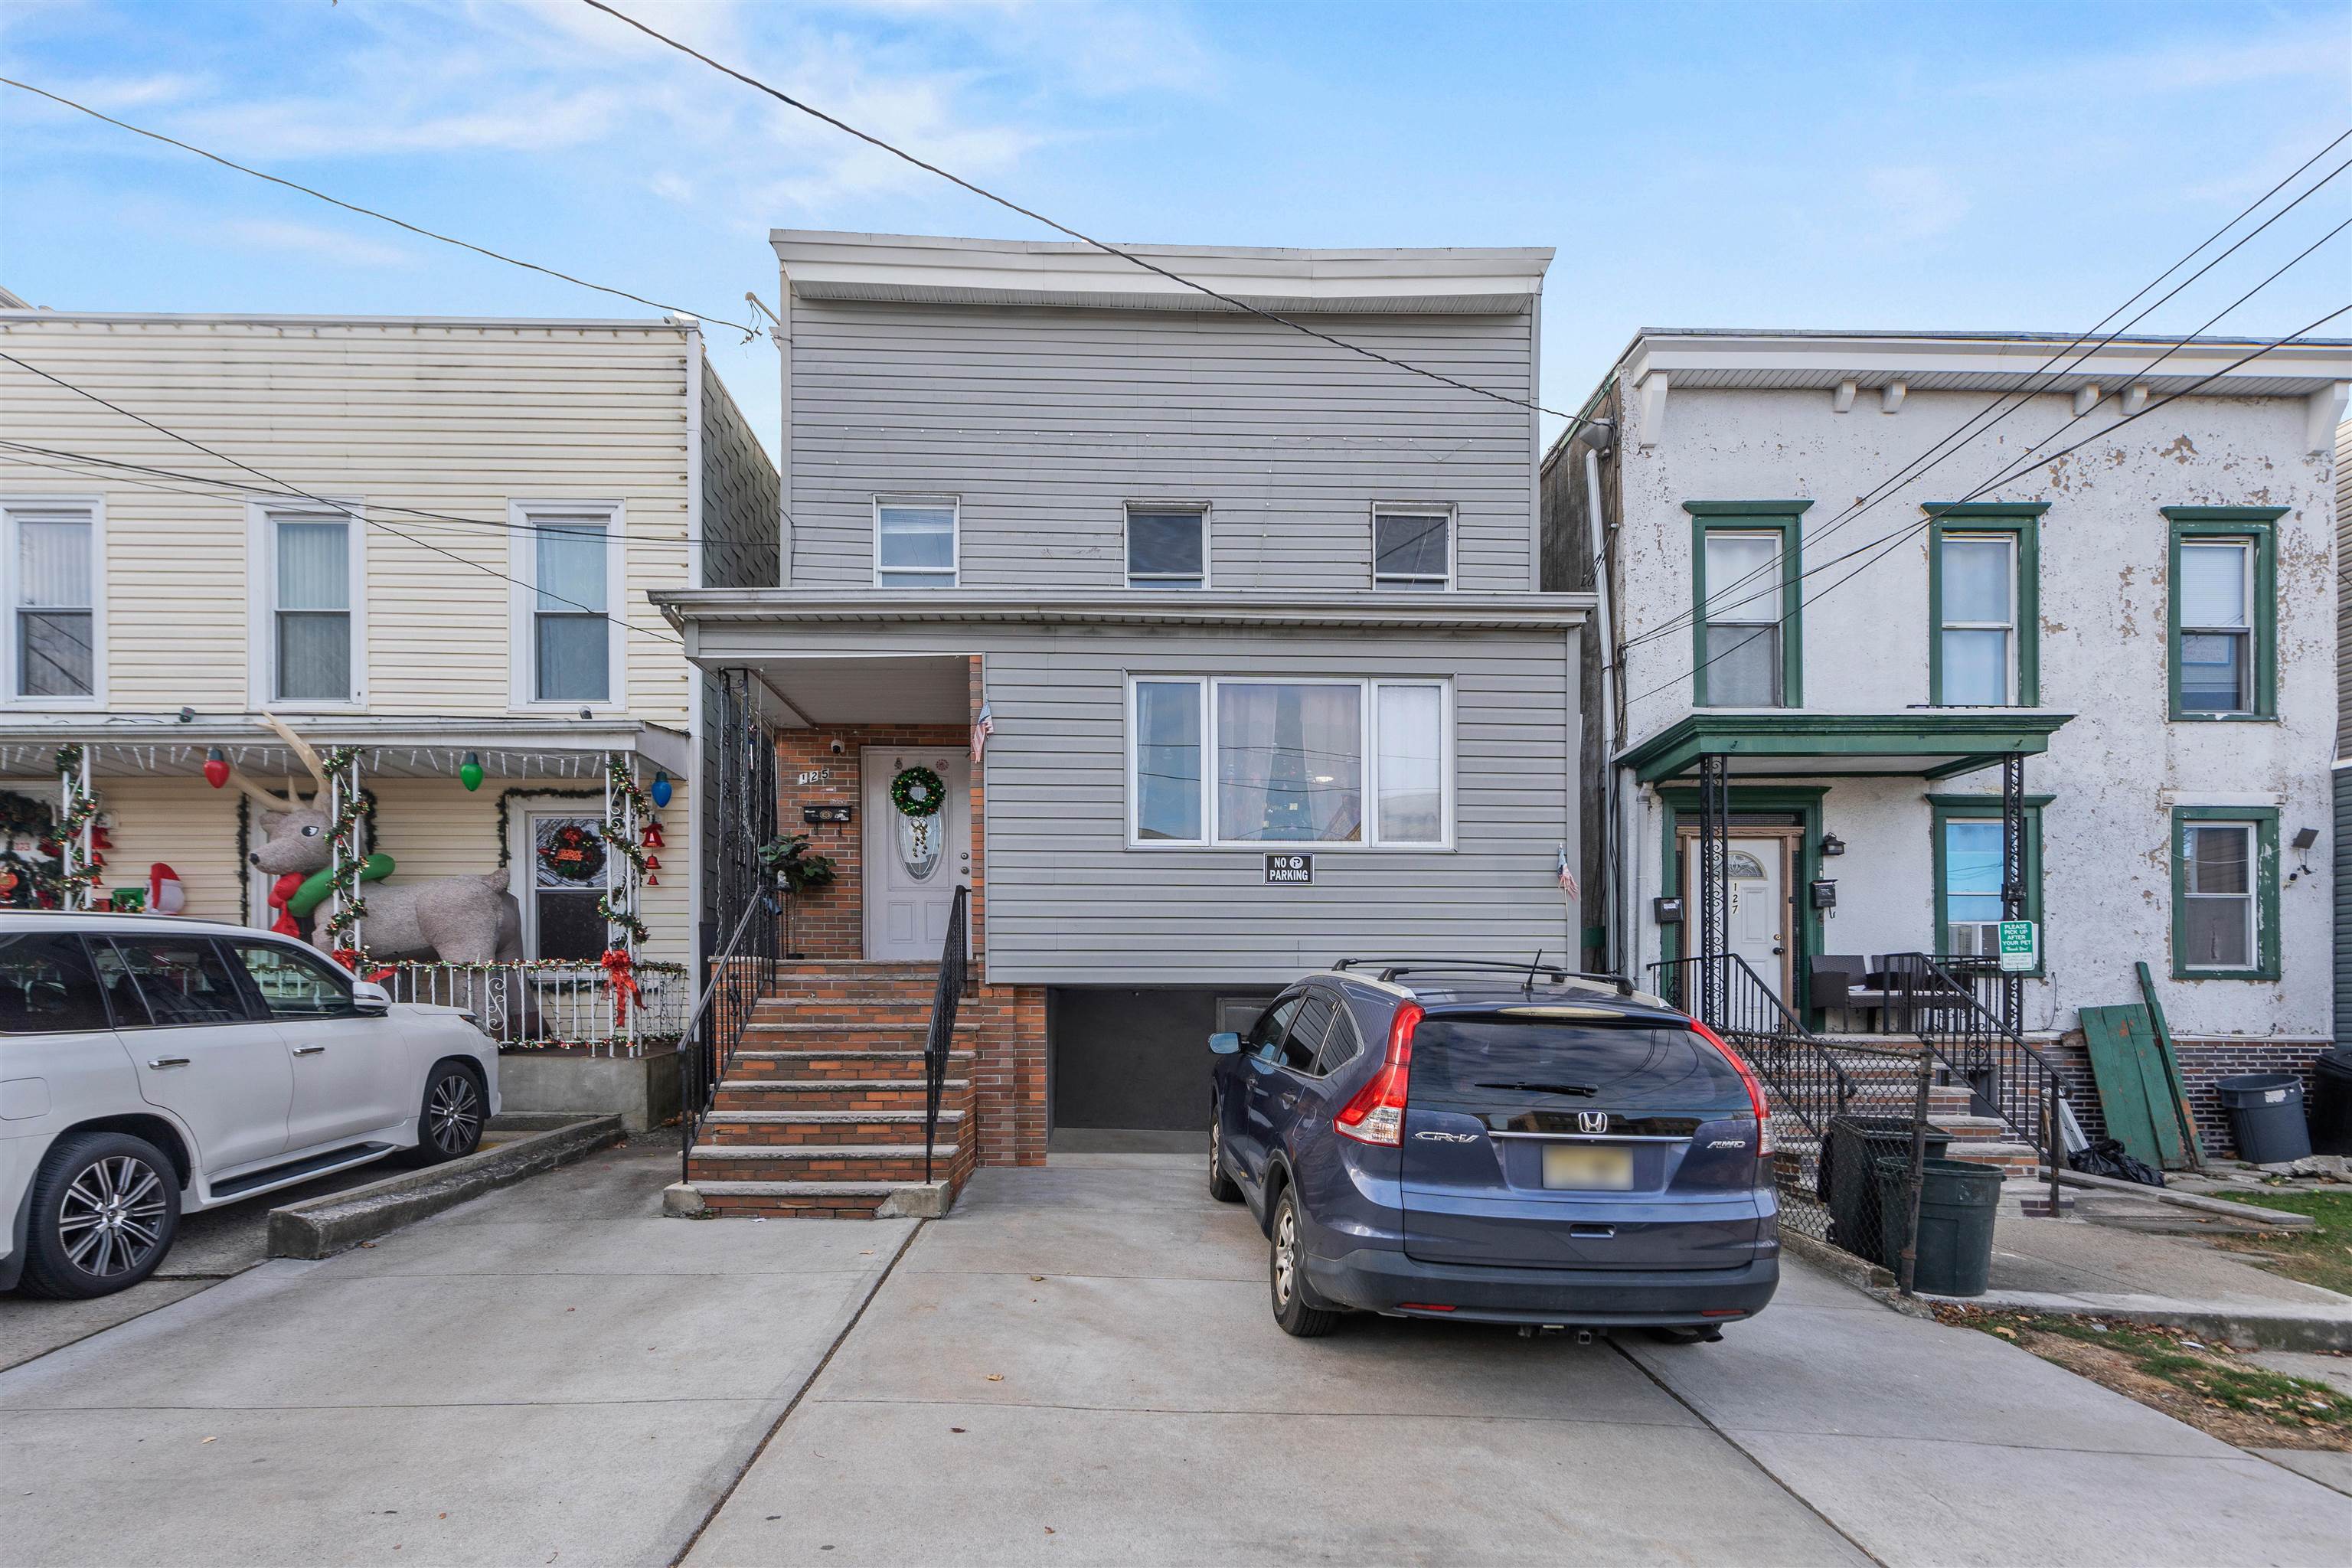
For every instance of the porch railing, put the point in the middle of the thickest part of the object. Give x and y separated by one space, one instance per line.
743 971
1953 1005
1829 1101
543 1005
947 997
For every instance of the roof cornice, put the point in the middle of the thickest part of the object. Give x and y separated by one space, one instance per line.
1982 361
806 606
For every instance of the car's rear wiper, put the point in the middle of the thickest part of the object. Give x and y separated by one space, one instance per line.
1543 1088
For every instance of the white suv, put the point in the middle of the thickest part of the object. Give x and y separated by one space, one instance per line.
152 1064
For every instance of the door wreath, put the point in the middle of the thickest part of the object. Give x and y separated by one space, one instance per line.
917 794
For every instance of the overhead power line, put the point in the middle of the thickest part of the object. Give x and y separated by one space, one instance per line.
1575 420
297 492
370 212
2033 458
1969 430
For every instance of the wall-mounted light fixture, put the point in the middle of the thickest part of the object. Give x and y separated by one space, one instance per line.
1832 844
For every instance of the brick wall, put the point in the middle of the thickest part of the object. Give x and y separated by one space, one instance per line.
2202 1063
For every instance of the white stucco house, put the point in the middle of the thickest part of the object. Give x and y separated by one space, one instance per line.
1862 569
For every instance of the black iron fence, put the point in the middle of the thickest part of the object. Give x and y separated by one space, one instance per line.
1849 1123
742 971
1957 1007
946 998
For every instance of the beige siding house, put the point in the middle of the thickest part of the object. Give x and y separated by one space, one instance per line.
421 546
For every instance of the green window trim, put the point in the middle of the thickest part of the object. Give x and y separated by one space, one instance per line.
1944 808
2259 524
1787 518
2022 522
2265 822
1679 802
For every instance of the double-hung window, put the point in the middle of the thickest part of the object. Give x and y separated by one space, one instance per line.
1167 547
1249 762
915 541
2225 892
308 641
1746 633
2222 652
1412 548
51 558
568 645
1983 600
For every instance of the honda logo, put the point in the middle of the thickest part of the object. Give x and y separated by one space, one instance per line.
1592 1121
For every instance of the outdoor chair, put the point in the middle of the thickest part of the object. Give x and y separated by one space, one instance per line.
1841 982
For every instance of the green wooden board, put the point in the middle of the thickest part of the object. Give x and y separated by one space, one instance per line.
2135 1091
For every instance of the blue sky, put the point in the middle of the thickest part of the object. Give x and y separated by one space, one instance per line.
1817 165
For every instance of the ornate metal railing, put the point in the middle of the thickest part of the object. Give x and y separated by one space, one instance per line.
1955 1006
947 997
548 1004
1869 1101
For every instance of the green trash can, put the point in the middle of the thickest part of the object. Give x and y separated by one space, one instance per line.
1846 1183
1957 1202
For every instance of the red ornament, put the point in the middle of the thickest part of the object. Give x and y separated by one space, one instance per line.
216 768
653 837
98 839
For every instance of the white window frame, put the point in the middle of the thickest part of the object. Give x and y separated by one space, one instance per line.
522 881
1393 582
1368 719
522 606
2251 832
94 506
1125 560
952 575
2247 631
261 600
2007 538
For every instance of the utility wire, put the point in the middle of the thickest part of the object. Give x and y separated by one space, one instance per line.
297 492
1951 443
371 212
2032 460
1575 421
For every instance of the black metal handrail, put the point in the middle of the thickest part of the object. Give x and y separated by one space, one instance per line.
1795 1064
946 998
1940 1001
737 978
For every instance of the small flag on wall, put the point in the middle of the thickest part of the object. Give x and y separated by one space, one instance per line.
1567 877
982 728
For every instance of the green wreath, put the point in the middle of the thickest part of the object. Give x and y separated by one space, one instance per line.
918 792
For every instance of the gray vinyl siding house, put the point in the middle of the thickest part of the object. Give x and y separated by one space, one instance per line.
1222 591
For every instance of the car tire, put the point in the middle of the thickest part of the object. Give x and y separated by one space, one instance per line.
1222 1187
105 1208
450 1118
1294 1304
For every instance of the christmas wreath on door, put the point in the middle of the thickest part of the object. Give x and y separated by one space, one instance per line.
917 794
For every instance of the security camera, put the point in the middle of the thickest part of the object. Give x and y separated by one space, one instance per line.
836 748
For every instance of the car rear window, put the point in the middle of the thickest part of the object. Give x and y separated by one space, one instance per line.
1508 1064
46 986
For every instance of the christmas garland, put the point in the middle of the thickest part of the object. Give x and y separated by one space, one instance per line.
343 841
81 807
918 792
622 798
22 817
506 797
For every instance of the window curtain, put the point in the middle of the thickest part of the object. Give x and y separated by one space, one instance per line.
314 602
1289 763
575 639
53 592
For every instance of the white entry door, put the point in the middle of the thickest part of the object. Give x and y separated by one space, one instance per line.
913 864
1758 914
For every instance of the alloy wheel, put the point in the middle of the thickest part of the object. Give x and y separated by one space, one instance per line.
453 1115
1285 1248
110 1218
1216 1151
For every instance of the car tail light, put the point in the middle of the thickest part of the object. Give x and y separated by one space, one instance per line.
1376 1115
1755 1089
1423 1307
1723 1311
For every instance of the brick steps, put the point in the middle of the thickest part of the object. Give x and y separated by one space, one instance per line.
821 1200
834 1094
821 1162
821 1129
815 1065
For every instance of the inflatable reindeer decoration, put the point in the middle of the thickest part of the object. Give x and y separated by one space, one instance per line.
454 919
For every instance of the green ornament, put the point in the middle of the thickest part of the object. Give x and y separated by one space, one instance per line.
469 771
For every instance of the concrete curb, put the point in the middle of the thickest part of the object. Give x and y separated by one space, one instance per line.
1859 1272
324 1226
2266 1328
2270 1219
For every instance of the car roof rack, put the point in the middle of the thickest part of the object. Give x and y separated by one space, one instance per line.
1558 974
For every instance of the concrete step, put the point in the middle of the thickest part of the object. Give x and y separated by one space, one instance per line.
819 1162
823 1129
823 1094
1971 1129
851 1034
825 1200
836 1065
2017 1159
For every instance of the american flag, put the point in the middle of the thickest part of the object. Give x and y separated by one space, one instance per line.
982 726
1567 877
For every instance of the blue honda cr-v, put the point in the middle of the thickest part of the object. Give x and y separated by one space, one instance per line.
1464 1140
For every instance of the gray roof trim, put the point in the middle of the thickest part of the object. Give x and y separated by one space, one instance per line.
925 269
788 606
494 324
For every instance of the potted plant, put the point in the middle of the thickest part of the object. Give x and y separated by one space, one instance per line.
793 862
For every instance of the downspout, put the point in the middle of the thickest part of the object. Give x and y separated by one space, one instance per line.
1608 639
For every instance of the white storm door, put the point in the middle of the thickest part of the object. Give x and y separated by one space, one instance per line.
913 865
1758 912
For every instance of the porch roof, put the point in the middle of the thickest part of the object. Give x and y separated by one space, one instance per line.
509 746
830 604
1927 742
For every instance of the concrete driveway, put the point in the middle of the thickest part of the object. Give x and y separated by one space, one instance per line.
1079 1363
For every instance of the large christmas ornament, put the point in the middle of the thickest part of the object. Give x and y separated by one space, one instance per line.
469 771
216 768
661 789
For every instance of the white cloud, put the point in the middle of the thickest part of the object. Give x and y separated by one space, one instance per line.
308 240
1915 202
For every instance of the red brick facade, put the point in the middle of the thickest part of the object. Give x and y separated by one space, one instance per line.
828 924
2203 1064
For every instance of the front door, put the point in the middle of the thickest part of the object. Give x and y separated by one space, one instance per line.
1758 914
913 861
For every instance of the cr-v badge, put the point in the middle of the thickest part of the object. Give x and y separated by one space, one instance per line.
1449 1137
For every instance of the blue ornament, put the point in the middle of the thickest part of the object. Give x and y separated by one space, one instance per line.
661 790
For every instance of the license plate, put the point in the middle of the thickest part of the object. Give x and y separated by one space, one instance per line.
1594 1170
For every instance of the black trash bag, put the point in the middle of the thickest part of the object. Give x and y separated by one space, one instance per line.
2106 1158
